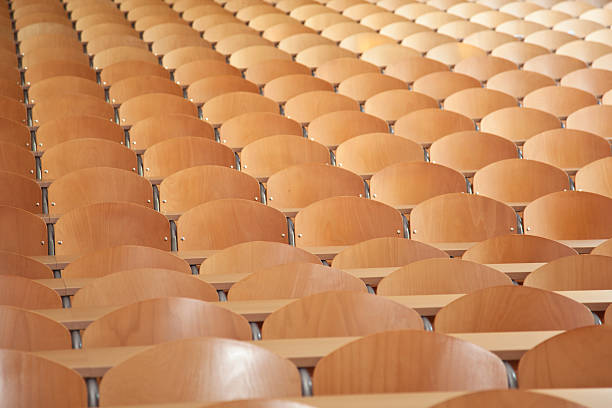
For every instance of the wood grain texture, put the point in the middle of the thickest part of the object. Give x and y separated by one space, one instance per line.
108 41
20 191
429 362
131 87
27 232
295 280
604 248
70 104
14 132
29 331
560 101
306 107
314 57
507 399
129 286
265 71
125 69
51 69
440 85
189 73
12 109
224 107
518 123
363 86
430 124
578 272
204 369
27 294
578 358
476 103
532 309
339 69
15 264
155 129
337 314
45 29
61 130
153 104
512 248
592 119
113 55
249 127
596 177
160 320
248 56
439 276
286 87
60 84
392 105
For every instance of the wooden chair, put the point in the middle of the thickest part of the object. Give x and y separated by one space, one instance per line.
45 29
25 372
304 12
488 40
154 321
222 223
324 20
361 87
592 119
243 129
592 80
146 22
519 181
268 20
440 276
105 24
154 129
334 128
39 56
476 103
230 45
15 264
43 17
296 280
506 397
64 129
486 310
460 29
440 85
427 224
518 52
560 101
318 55
196 10
15 133
308 106
602 62
345 221
518 83
280 31
451 53
410 183
519 28
14 159
591 272
427 362
263 374
173 36
286 87
20 192
159 31
579 27
153 104
411 69
299 42
252 55
250 12
126 69
492 18
517 248
132 87
337 70
27 294
26 233
392 105
108 41
425 126
402 29
109 260
360 43
130 286
592 177
265 71
518 123
114 55
586 51
549 39
553 65
203 90
546 17
221 31
27 331
435 19
12 109
227 106
191 72
10 73
337 314
576 358
63 84
169 156
70 105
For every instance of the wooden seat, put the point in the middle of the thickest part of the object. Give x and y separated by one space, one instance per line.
10 73
339 313
518 83
132 87
222 223
578 27
138 13
264 374
484 67
25 293
129 286
402 29
546 17
592 119
43 17
100 19
603 62
70 105
440 85
18 161
345 221
232 44
519 248
446 218
549 216
518 52
25 371
593 177
172 42
109 41
518 123
334 128
154 129
339 31
451 53
586 51
440 276
104 27
153 104
15 264
198 10
589 272
45 29
27 232
286 87
114 55
486 310
324 20
308 106
560 101
189 73
502 397
84 10
221 31
361 87
154 321
42 55
488 40
283 29
14 133
476 103
428 362
294 280
553 65
576 358
249 127
227 106
64 129
265 71
409 183
412 10
491 18
146 22
314 57
435 19
460 29
50 87
411 69
392 105
203 90
250 12
19 191
299 42
13 110
519 28
360 43
28 331
126 69
425 126
592 80
254 54
549 39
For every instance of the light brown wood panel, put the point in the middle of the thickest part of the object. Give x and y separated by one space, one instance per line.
337 70
183 55
149 21
114 55
507 398
605 248
518 83
363 86
476 103
488 40
518 123
449 52
248 127
425 126
45 29
106 24
19 161
286 87
50 87
29 331
171 42
333 128
227 106
298 42
573 273
126 69
234 43
15 264
189 73
69 105
203 90
11 89
19 191
517 248
259 404
153 104
131 87
27 294
26 233
488 309
554 66
138 13
387 54
46 55
294 280
592 119
15 133
519 51
155 129
441 84
63 129
12 109
560 101
392 105
282 29
221 31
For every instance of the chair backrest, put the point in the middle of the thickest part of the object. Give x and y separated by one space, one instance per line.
68 105
345 221
283 88
61 130
222 223
361 87
425 126
265 71
569 215
15 133
518 123
131 87
336 70
13 110
25 233
338 314
407 361
27 294
28 331
577 272
154 129
203 90
488 310
249 127
114 55
333 128
134 285
19 191
259 373
102 225
574 359
440 85
449 218
516 248
560 101
306 107
605 248
154 321
392 105
476 103
592 177
126 69
592 119
295 280
24 372
503 398
15 264
189 73
63 84
222 108
154 104
440 276
118 258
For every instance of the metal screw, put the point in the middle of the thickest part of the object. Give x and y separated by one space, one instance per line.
46 171
283 235
414 231
42 242
52 204
38 204
165 238
60 242
182 238
164 201
299 235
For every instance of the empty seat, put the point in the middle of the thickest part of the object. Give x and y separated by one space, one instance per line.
28 331
286 87
15 264
361 43
440 85
189 73
153 104
491 18
227 106
549 39
20 192
220 31
233 44
245 57
50 87
265 71
12 109
246 128
392 105
51 69
578 272
103 24
592 80
519 83
69 105
126 69
163 46
334 128
594 177
519 28
299 42
154 129
26 293
128 88
592 119
308 106
283 29
476 103
586 51
114 55
321 21
518 52
45 29
15 133
14 159
518 123
339 69
553 65
451 53
203 90
108 41
314 57
25 233
559 100
427 125
60 130
339 31
413 68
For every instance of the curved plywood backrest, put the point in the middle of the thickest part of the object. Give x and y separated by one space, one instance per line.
337 70
605 248
440 276
592 119
560 101
594 177
169 156
131 87
63 84
286 87
27 294
519 180
114 55
569 215
306 107
440 85
126 69
407 361
314 57
164 373
251 55
153 104
23 372
303 184
68 105
28 331
203 90
189 73
98 184
25 233
13 110
260 403
517 248
193 186
487 310
155 129
229 45
222 223
45 29
15 264
507 398
363 86
15 159
518 123
410 69
251 256
224 107
575 359
451 218
484 68
608 316
392 105
265 71
15 133
518 83
577 272
333 128
476 103
20 192
338 314
102 225
425 126
409 183
98 25
61 130
249 127
118 258
155 321
290 281
293 44
345 221
134 285
50 69
76 154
